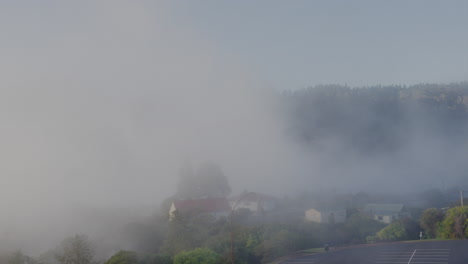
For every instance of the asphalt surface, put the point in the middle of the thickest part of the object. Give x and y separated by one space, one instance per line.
427 252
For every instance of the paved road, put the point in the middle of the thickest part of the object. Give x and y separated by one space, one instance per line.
429 252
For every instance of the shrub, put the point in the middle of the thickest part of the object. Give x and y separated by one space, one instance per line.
197 256
430 221
394 231
123 257
455 224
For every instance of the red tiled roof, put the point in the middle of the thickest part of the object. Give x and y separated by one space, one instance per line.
212 205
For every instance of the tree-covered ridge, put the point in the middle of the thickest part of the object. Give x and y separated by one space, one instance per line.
404 92
449 98
376 118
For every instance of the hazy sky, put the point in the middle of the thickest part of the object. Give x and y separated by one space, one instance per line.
292 44
299 43
101 102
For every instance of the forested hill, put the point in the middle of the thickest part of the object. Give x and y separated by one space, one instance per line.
377 119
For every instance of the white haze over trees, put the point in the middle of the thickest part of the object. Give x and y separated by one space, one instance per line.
102 103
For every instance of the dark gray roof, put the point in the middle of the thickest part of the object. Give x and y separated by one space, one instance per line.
383 208
327 208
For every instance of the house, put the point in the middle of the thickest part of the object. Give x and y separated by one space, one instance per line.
255 202
216 207
386 213
326 215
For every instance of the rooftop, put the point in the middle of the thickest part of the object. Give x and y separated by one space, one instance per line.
383 208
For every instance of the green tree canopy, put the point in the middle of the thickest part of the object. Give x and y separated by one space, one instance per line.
455 224
430 221
402 229
123 257
394 231
197 256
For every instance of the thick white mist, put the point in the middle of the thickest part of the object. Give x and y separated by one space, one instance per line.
102 102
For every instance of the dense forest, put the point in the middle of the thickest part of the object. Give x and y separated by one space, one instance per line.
393 138
377 118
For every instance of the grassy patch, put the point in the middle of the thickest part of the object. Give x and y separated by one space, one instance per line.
306 251
426 240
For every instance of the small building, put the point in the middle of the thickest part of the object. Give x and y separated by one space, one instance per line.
255 202
217 207
326 215
386 213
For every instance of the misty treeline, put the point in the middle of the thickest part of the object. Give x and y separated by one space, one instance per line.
433 223
196 237
203 238
377 118
386 138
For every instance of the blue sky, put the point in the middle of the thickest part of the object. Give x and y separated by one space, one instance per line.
293 44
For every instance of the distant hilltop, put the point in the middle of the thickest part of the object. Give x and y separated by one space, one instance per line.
376 118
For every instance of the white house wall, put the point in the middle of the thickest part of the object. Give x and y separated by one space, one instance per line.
313 216
324 217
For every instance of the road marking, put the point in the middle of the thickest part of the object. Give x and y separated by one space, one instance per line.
412 256
414 262
418 256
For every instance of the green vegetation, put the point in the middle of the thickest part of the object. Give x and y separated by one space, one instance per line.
259 240
430 221
394 231
123 257
451 225
197 256
455 223
378 118
196 238
403 229
130 257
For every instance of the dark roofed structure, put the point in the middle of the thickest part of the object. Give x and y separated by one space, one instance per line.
384 208
386 213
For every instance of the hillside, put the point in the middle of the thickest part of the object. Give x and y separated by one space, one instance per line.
377 119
